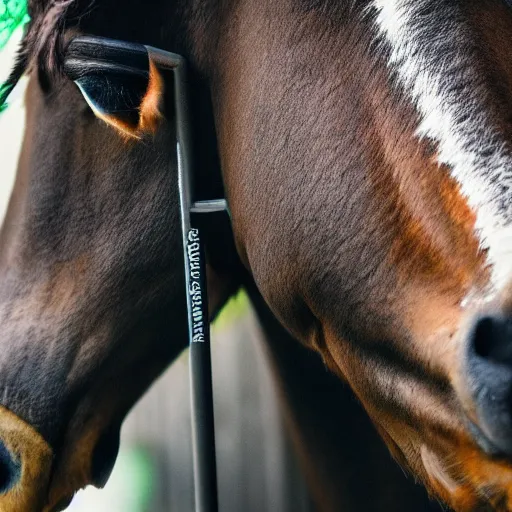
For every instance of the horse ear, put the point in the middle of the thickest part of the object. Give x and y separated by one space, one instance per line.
119 82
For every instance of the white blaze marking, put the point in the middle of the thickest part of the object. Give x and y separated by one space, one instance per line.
432 51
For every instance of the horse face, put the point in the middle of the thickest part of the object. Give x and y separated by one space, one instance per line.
367 161
91 303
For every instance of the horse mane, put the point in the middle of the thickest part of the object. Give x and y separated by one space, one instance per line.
42 42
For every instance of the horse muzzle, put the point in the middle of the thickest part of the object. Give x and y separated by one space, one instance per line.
25 465
489 381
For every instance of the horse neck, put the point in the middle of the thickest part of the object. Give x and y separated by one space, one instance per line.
301 91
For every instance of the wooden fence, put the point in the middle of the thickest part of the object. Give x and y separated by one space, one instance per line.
256 468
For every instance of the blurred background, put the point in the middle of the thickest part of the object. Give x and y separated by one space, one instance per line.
256 467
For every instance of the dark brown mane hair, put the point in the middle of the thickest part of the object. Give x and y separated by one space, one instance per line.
42 41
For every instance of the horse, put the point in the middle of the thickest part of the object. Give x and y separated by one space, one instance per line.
363 147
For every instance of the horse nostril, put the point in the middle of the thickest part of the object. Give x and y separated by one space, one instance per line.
492 339
10 470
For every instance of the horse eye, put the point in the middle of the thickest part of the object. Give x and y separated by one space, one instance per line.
118 81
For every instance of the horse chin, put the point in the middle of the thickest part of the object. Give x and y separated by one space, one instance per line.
87 459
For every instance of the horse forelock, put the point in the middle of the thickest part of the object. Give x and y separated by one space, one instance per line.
41 44
432 55
46 31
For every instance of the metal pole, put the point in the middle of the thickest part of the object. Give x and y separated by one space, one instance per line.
203 432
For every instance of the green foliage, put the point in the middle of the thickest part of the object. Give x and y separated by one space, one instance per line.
236 307
3 104
13 13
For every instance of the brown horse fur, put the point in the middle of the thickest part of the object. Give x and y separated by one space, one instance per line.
353 228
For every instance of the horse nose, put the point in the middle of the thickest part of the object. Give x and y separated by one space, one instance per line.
489 367
25 465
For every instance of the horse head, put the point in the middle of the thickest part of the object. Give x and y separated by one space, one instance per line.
365 150
92 299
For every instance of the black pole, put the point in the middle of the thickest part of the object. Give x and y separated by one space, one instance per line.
203 432
205 473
